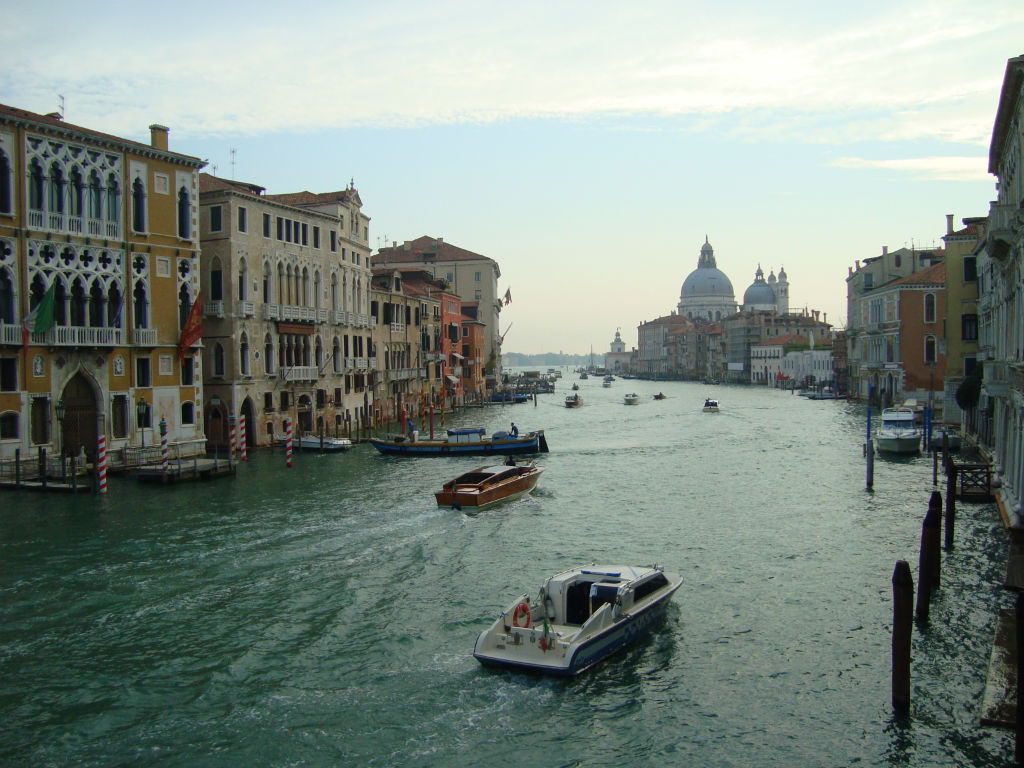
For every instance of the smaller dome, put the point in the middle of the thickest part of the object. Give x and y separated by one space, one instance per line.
759 294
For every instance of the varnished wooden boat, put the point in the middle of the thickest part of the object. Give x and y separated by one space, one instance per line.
488 485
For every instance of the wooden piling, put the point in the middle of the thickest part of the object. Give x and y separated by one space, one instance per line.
927 568
1019 734
950 500
902 631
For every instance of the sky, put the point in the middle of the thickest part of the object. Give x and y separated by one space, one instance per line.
587 147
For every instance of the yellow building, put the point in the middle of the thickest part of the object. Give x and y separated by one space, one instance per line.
98 272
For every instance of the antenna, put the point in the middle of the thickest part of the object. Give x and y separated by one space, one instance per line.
61 97
232 162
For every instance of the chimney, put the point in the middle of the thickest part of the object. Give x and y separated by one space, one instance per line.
158 136
885 249
857 262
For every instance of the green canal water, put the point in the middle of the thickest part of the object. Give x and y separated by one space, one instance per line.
325 615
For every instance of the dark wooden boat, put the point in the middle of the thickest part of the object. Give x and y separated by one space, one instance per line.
488 485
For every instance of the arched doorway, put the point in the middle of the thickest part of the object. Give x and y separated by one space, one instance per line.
250 423
305 410
216 426
78 430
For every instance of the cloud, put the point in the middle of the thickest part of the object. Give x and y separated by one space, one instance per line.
926 168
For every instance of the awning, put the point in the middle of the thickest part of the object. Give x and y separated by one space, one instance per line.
452 379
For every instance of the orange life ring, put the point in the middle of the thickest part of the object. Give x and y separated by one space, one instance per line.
521 610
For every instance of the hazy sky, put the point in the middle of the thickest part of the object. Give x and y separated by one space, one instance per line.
587 147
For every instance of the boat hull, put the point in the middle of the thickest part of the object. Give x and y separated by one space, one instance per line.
330 445
898 444
468 497
534 442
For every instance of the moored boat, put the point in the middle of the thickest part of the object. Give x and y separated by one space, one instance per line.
578 618
710 405
325 444
573 400
509 397
952 434
464 442
487 485
631 399
898 432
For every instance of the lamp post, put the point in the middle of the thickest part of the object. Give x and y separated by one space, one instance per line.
60 410
141 409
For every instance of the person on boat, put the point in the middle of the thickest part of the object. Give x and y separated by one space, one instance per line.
515 430
412 429
510 461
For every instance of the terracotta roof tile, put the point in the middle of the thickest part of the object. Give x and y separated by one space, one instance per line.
423 248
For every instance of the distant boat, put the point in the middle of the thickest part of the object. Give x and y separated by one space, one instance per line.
487 485
509 397
327 445
659 396
710 405
573 401
632 399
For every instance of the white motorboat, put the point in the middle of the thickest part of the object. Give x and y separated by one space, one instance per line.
710 405
632 399
898 433
578 618
952 434
326 445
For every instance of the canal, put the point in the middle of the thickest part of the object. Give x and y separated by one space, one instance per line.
325 615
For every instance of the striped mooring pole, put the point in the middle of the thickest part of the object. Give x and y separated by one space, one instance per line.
241 437
288 442
163 445
231 436
101 464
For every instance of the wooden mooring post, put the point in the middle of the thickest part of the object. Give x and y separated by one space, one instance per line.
902 631
928 566
1019 731
869 454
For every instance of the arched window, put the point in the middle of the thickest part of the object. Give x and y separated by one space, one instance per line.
929 349
138 205
5 183
218 360
184 214
188 413
929 307
113 198
95 196
336 355
56 189
97 300
243 354
304 295
268 353
36 185
184 306
243 278
115 306
140 305
282 293
78 303
334 292
76 200
318 354
216 280
266 282
316 289
6 296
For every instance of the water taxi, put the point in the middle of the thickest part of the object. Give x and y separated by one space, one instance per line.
489 485
578 618
898 432
631 399
710 405
573 400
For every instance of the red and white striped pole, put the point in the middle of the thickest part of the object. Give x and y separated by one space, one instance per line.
241 437
101 464
231 436
163 444
288 441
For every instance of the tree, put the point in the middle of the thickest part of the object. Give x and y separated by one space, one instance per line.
969 391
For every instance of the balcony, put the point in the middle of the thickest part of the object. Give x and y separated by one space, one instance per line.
247 308
398 327
362 364
1005 225
299 373
76 336
10 334
213 309
271 312
66 224
144 337
291 312
338 318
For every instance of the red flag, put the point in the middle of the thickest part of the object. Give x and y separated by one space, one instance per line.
192 332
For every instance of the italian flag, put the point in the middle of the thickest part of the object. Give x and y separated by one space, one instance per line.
40 319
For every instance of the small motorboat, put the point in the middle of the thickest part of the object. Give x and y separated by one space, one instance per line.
659 396
898 432
466 442
324 444
578 618
573 401
710 405
489 485
575 387
952 434
631 399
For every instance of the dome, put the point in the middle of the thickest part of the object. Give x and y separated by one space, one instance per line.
706 279
759 294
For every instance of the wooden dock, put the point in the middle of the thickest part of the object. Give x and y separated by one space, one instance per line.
183 471
82 484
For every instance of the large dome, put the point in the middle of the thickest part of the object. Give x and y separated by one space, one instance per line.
707 279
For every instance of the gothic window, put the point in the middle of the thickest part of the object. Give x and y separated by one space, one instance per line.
97 300
336 355
140 305
268 353
115 303
5 183
113 198
218 360
184 305
76 200
316 290
216 281
56 189
184 214
95 196
36 185
78 303
319 354
138 205
266 283
334 292
929 349
243 278
243 354
6 297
